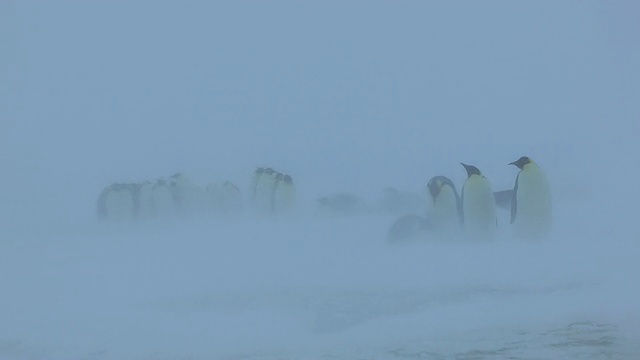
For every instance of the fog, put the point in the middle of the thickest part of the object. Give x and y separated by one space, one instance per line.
347 97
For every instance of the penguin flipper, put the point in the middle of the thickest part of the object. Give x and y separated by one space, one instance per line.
503 198
514 201
461 208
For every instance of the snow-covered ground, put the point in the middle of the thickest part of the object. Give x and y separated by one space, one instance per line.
309 287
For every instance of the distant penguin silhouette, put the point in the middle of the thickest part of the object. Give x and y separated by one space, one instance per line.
478 205
117 204
444 206
264 190
255 180
189 197
531 215
229 198
284 194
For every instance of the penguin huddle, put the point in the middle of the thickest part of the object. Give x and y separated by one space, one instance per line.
176 196
473 213
272 192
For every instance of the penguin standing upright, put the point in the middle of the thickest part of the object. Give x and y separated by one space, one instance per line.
478 205
189 196
284 194
531 201
264 190
444 208
119 204
279 177
255 180
229 198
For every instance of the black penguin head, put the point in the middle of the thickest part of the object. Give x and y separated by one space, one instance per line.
520 163
471 170
436 183
434 186
279 176
259 170
288 179
269 171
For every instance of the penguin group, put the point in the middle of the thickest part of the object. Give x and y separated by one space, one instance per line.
272 192
446 213
472 214
175 196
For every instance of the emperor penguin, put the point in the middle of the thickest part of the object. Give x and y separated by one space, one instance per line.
531 201
284 194
257 175
119 204
264 190
444 207
189 196
479 215
229 198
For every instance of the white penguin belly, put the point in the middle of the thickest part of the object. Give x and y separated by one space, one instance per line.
264 193
229 198
533 215
446 218
479 208
284 197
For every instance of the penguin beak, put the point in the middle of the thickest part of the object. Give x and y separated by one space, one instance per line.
513 163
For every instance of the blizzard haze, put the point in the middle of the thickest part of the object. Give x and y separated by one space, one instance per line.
346 97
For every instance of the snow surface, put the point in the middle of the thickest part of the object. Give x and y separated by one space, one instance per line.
348 98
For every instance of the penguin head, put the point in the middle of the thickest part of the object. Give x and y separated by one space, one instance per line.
471 170
269 171
520 163
287 179
259 170
436 183
279 176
